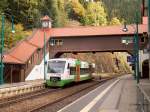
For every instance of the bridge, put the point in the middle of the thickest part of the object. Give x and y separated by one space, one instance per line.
93 39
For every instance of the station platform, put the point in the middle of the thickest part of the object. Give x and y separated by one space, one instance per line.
9 90
143 94
116 95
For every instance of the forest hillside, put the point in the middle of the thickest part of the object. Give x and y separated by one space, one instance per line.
26 14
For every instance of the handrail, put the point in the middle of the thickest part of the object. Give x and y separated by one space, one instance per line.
144 93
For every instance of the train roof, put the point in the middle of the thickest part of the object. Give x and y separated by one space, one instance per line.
72 61
67 59
63 59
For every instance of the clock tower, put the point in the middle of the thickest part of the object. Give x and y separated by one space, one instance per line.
46 22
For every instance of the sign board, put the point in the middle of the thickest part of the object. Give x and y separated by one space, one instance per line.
131 58
126 40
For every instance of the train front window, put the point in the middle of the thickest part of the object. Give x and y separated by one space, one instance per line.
56 66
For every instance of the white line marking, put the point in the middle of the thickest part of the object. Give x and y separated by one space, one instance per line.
95 100
61 110
78 99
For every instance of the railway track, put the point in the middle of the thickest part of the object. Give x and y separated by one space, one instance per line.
41 107
36 101
19 98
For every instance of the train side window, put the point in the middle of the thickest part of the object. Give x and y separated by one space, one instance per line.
72 70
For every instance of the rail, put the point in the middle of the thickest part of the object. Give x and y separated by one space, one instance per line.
143 99
43 106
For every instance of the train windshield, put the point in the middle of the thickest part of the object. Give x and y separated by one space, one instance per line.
56 66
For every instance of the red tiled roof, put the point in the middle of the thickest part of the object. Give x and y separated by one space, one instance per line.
21 53
38 38
95 31
10 59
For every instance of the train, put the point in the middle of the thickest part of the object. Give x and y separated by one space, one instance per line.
63 71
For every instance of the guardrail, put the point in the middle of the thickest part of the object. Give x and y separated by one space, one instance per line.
143 99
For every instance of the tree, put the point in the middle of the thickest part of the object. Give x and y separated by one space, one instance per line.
123 9
115 21
56 10
3 5
95 14
75 10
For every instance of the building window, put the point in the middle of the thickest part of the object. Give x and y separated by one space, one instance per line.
52 42
60 42
57 42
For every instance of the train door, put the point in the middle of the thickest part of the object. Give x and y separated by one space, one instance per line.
78 65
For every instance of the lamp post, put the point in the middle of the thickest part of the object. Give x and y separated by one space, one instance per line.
12 25
134 54
136 48
2 46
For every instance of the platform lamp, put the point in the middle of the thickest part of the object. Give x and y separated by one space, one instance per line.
45 25
2 46
136 47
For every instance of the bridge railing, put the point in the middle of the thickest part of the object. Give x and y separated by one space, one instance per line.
143 98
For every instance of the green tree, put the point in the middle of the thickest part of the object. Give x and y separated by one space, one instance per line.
115 21
3 5
78 8
56 10
95 14
75 10
22 10
123 9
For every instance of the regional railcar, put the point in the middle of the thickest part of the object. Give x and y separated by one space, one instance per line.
62 71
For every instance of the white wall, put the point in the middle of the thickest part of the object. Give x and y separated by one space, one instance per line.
38 71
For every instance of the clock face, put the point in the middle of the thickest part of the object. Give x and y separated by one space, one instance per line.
45 24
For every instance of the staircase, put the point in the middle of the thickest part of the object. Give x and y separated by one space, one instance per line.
38 71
